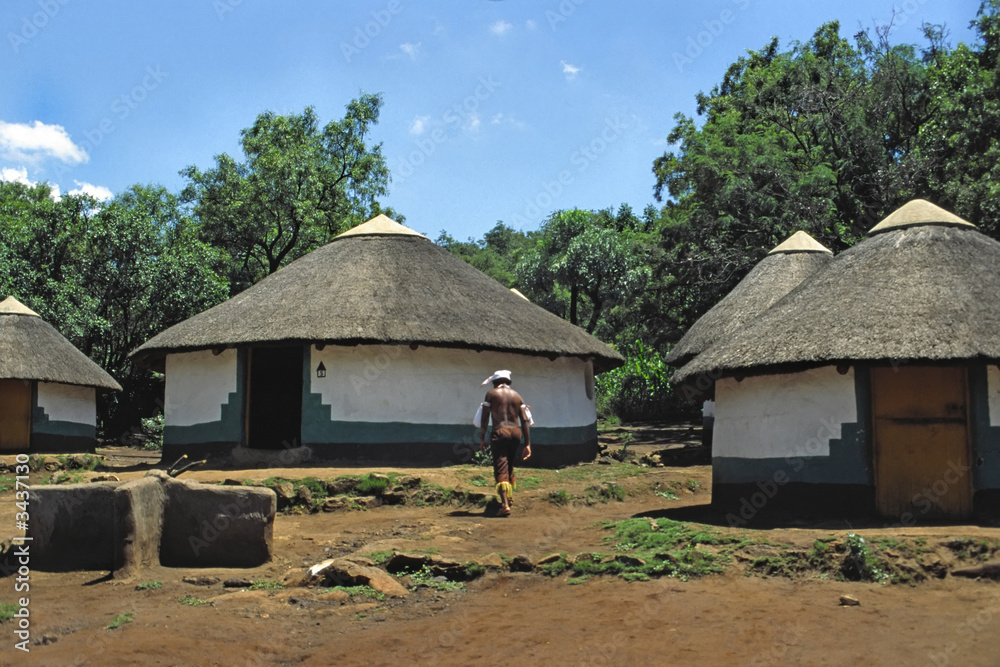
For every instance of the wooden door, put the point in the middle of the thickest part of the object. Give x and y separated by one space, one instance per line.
15 414
921 442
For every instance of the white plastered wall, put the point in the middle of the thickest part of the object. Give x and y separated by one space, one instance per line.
68 403
197 385
794 414
442 386
993 391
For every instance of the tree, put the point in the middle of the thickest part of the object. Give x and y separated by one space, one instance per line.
822 137
298 186
583 261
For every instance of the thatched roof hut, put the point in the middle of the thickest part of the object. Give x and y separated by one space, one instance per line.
32 349
923 286
872 386
381 283
47 386
784 267
373 346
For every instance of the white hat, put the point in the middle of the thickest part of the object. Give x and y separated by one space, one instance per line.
499 375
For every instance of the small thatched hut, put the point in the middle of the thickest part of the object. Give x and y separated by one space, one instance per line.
47 386
873 385
373 346
784 267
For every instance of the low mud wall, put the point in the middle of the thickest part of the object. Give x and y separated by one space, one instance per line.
127 527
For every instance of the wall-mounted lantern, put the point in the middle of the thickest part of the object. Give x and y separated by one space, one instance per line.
321 370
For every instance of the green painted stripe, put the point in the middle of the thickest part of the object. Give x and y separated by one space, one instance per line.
71 429
985 437
402 432
849 461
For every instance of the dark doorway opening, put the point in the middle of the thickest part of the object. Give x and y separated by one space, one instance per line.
274 404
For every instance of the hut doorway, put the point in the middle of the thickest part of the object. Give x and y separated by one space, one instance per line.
274 398
15 414
921 442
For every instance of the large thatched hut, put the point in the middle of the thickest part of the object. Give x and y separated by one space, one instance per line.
873 385
373 346
47 387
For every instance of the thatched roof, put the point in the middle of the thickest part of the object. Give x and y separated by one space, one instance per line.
784 267
921 288
380 283
31 349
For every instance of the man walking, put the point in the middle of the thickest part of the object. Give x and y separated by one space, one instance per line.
511 419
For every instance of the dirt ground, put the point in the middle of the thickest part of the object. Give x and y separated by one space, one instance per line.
726 619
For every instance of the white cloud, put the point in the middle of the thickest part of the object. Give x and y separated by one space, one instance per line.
472 124
419 124
411 50
569 70
504 119
98 192
22 142
530 25
501 27
15 175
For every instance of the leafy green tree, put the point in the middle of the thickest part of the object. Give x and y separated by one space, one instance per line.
496 254
583 262
298 186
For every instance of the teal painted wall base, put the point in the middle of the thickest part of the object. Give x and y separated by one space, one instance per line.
985 438
54 436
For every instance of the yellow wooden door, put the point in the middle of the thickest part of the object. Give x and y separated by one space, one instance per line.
921 442
15 414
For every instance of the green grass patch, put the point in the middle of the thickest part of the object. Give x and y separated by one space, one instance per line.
6 483
191 600
120 620
372 484
381 557
480 481
364 591
7 610
425 577
149 586
604 493
528 483
562 497
266 585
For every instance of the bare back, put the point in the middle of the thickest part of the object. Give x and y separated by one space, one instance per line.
505 406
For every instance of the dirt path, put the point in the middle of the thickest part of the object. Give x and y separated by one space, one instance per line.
509 616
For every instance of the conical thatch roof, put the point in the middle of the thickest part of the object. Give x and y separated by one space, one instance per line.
925 290
784 267
381 283
31 349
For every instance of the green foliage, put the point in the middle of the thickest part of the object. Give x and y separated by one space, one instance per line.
604 493
152 428
638 390
425 577
372 485
149 586
120 620
560 497
7 610
298 186
266 585
7 483
381 557
861 564
191 600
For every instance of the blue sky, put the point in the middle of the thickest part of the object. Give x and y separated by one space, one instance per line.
493 109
